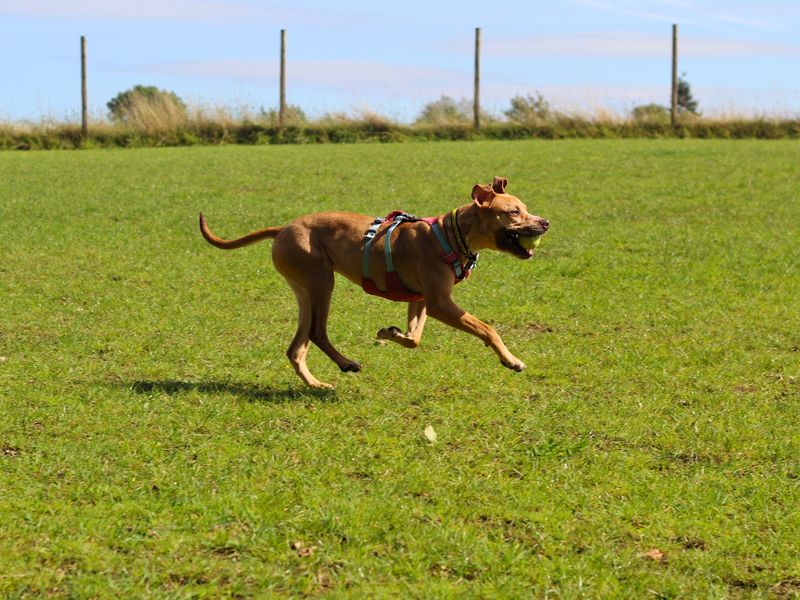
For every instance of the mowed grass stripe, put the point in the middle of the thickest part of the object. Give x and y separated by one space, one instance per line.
155 440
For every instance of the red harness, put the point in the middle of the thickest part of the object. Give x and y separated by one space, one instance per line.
395 289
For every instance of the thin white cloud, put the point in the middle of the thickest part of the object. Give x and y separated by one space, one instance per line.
624 8
679 4
630 45
711 47
345 75
366 79
684 12
584 45
407 87
176 10
746 21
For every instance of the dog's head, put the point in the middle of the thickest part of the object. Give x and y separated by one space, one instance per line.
504 221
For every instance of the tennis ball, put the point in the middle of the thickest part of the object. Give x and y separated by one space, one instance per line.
529 243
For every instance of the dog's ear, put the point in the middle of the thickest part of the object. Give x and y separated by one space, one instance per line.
482 195
499 185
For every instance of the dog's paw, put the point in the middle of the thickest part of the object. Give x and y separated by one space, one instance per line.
350 367
322 386
387 333
515 365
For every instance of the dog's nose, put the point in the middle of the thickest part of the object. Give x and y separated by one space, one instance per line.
545 224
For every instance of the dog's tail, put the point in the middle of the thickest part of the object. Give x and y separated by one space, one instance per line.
245 240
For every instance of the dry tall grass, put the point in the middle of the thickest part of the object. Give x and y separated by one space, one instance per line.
159 122
152 115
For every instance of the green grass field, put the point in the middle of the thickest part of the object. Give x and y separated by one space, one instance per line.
156 442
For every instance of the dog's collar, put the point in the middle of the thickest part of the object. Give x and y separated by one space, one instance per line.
463 247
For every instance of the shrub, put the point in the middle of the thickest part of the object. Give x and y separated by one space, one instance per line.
650 113
529 110
147 108
448 112
444 111
294 116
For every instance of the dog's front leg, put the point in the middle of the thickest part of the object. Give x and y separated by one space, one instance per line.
444 309
416 324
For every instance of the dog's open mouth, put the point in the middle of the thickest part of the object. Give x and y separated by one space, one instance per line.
520 243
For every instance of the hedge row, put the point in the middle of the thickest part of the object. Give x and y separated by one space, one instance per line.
210 133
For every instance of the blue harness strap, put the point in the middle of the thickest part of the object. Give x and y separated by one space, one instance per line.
387 243
449 256
369 238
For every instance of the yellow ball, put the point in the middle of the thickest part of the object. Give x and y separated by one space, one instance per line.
529 243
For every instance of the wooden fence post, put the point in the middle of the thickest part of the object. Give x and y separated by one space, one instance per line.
477 93
282 103
674 103
84 96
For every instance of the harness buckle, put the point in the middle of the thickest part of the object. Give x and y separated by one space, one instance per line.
472 262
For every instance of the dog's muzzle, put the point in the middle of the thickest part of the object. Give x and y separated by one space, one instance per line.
511 240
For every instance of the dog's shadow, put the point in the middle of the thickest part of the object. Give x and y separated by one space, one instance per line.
251 393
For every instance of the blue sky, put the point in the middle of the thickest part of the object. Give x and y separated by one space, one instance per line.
392 58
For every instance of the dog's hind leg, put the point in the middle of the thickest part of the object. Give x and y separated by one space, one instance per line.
320 292
416 324
299 347
309 272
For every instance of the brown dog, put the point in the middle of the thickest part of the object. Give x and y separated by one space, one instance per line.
311 248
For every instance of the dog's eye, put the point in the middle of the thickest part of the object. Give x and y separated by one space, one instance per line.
514 212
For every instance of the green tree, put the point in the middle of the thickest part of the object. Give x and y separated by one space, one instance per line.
685 101
129 103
